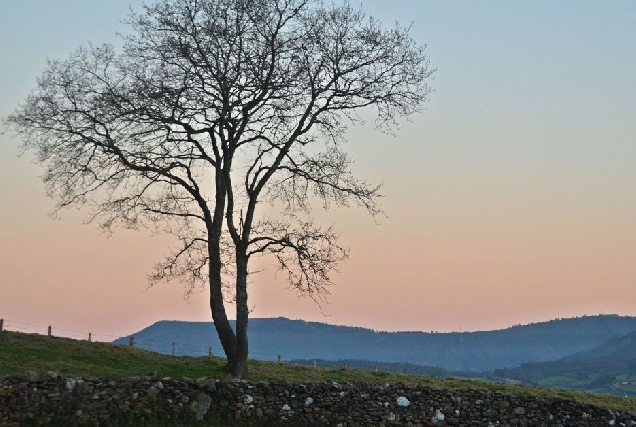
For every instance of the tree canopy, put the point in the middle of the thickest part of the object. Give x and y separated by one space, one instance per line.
210 107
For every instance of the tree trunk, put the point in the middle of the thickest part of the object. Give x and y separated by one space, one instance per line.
223 327
219 315
242 314
217 305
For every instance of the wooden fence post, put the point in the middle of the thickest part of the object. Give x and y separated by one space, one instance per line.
210 351
1 325
173 346
49 330
89 337
280 358
131 343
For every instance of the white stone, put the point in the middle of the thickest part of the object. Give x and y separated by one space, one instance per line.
248 399
403 401
309 401
391 416
286 408
70 383
438 415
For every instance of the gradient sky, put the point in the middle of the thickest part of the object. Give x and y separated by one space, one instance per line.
511 199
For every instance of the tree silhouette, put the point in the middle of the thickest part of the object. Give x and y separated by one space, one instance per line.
211 107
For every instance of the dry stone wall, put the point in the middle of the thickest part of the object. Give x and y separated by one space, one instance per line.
48 398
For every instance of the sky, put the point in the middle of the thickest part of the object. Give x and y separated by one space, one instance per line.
511 199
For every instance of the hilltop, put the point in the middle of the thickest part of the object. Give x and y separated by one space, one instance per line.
454 351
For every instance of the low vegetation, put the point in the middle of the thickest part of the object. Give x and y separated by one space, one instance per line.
23 352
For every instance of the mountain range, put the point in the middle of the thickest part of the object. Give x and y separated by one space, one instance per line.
492 351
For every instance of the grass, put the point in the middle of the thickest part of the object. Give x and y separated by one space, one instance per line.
563 381
31 352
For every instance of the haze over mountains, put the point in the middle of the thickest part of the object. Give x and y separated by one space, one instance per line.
455 351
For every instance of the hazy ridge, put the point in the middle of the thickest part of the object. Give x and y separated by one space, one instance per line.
455 351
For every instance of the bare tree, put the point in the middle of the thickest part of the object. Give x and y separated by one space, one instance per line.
211 107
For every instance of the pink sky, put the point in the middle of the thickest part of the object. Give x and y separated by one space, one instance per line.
512 199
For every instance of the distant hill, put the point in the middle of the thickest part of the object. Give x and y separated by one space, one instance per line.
616 349
467 351
608 368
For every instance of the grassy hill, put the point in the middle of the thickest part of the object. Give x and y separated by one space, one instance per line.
22 352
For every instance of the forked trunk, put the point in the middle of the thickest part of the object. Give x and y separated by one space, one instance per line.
223 329
235 345
217 306
236 348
